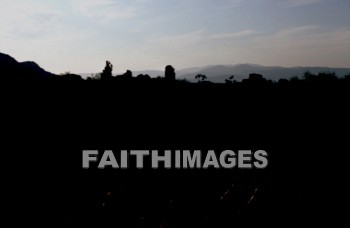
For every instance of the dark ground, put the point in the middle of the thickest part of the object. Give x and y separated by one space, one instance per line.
46 125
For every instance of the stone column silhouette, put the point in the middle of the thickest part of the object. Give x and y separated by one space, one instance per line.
170 73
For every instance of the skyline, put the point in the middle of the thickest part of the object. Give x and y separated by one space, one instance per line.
80 35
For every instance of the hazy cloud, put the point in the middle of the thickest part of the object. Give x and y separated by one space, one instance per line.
79 35
104 10
178 40
22 19
298 3
233 35
306 45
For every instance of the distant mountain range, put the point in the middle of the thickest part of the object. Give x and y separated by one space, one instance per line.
9 67
218 73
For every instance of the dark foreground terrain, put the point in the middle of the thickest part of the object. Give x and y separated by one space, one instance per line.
303 125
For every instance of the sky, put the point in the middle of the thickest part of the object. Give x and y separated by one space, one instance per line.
80 35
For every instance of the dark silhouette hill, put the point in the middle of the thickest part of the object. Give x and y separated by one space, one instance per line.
10 68
6 60
35 68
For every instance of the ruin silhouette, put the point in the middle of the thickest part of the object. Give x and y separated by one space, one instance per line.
170 73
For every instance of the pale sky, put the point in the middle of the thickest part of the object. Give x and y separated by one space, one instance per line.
80 35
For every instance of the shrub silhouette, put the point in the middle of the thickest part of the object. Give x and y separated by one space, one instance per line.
127 74
143 77
230 80
201 78
347 77
294 79
69 76
255 80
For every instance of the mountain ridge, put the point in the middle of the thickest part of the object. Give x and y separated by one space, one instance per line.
10 68
219 73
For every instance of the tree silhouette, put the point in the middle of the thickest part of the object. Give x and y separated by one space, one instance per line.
327 76
308 76
201 77
321 77
107 72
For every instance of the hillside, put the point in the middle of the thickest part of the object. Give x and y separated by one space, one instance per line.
10 68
